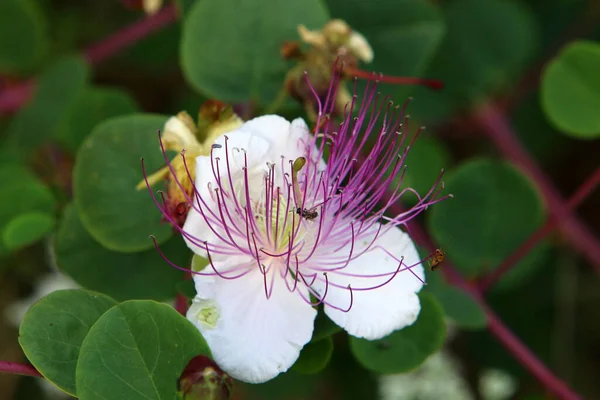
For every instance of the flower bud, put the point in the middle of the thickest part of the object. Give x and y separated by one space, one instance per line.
202 379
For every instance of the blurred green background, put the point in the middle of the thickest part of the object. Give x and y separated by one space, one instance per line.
532 63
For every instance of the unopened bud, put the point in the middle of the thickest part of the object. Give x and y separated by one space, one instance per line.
202 379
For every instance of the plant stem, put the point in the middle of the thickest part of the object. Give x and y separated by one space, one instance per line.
584 190
130 35
181 304
497 128
497 328
18 369
13 98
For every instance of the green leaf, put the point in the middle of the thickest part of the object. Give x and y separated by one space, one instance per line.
314 356
199 263
54 328
58 89
571 90
21 193
185 6
105 176
124 276
23 35
415 26
26 229
461 308
425 161
137 350
242 63
95 105
487 45
406 349
494 209
324 327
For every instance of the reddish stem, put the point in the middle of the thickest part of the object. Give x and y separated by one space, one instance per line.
130 35
394 80
13 98
499 131
584 190
18 369
181 304
504 335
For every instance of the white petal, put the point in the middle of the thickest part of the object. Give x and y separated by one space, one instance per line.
252 338
177 133
272 128
242 147
378 312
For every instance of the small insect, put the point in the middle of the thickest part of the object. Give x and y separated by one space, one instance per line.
437 259
308 215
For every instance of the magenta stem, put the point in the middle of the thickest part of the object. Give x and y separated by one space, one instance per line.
13 98
130 35
18 369
497 128
582 193
497 328
181 304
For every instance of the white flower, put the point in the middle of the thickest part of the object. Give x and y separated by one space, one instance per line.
285 231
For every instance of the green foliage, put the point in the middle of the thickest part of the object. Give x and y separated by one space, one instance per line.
91 347
486 45
22 196
494 209
571 90
95 105
324 327
424 164
54 328
406 349
185 6
57 90
460 307
314 356
23 35
124 276
105 177
414 26
27 228
136 350
242 63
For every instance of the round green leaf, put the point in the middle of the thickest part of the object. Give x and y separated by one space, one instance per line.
23 35
486 46
571 90
21 193
230 49
425 161
105 176
324 327
137 350
95 105
408 348
58 89
314 356
54 328
495 208
415 26
26 229
185 5
461 308
124 276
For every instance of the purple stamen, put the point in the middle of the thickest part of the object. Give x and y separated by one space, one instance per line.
320 218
